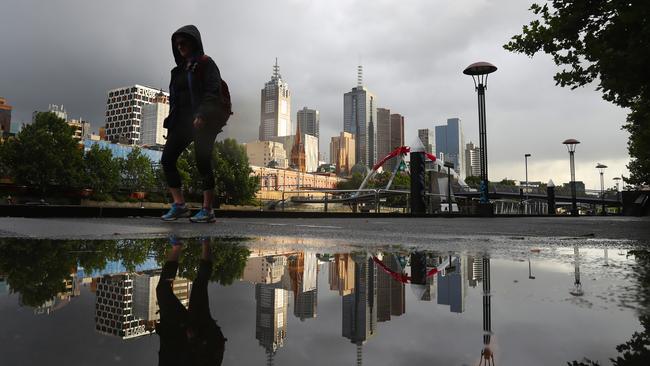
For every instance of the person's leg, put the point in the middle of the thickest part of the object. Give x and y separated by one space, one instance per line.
171 309
177 142
199 309
204 145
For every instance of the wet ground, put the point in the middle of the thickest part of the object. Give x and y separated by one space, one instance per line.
295 295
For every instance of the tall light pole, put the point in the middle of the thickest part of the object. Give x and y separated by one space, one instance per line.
479 72
618 192
526 156
449 166
571 146
601 168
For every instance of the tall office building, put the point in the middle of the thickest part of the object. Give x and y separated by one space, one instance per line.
124 112
275 113
428 139
391 295
309 121
450 141
472 160
341 274
342 149
360 307
396 135
383 132
145 303
303 270
271 317
261 153
114 308
452 288
152 132
5 116
81 128
360 119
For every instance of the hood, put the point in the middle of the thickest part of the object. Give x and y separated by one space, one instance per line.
192 32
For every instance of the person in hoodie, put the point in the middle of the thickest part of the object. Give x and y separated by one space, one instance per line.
196 114
188 337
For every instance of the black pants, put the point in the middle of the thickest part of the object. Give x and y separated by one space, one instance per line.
178 139
171 310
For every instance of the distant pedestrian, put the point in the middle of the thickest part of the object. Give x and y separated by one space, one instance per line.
199 107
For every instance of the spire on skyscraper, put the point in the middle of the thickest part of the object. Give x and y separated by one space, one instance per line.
276 71
360 76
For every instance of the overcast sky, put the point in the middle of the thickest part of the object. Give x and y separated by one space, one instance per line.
71 52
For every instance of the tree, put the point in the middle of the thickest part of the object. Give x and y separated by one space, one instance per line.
234 182
507 182
45 154
473 181
101 170
137 172
353 182
604 41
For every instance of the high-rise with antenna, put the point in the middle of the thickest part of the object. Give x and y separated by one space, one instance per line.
275 112
360 119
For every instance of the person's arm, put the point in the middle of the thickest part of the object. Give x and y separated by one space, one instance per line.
172 102
211 97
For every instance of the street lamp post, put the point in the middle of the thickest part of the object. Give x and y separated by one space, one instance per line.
618 192
449 166
571 147
479 72
526 156
601 168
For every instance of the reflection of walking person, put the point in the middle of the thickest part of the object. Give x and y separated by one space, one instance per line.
199 107
187 336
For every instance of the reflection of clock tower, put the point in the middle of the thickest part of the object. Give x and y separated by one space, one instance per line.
275 112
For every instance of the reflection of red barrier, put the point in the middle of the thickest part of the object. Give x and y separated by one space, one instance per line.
400 276
137 195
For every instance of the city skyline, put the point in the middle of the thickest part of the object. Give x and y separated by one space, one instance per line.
413 77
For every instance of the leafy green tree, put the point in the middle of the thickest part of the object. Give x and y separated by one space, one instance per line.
234 182
473 181
45 154
605 41
137 172
507 182
353 183
101 170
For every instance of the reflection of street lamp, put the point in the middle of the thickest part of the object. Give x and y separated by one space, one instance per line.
449 165
571 146
577 285
479 72
487 356
601 168
530 275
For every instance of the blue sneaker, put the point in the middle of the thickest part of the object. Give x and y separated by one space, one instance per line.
205 215
175 212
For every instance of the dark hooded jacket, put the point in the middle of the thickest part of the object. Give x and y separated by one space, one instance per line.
194 89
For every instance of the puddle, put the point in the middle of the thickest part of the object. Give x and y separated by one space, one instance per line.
95 302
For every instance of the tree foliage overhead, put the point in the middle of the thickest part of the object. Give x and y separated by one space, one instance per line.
44 154
604 41
101 171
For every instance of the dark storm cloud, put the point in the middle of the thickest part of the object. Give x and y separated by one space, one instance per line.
71 52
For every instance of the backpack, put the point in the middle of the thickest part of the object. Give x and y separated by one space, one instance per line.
224 92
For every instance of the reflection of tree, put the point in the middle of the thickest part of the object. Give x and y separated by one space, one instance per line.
36 269
228 259
636 351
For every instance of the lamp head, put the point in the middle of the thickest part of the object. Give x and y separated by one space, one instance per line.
571 144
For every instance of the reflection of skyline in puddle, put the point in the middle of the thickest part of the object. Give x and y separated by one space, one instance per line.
369 294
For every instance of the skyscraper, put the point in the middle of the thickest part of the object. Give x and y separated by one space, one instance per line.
271 317
114 308
450 141
275 113
383 132
153 115
81 128
396 135
472 160
309 121
5 116
360 119
124 112
342 149
428 138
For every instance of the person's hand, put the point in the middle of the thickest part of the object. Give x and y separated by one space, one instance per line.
198 122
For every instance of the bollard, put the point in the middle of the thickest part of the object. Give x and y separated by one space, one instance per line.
418 203
550 194
325 206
